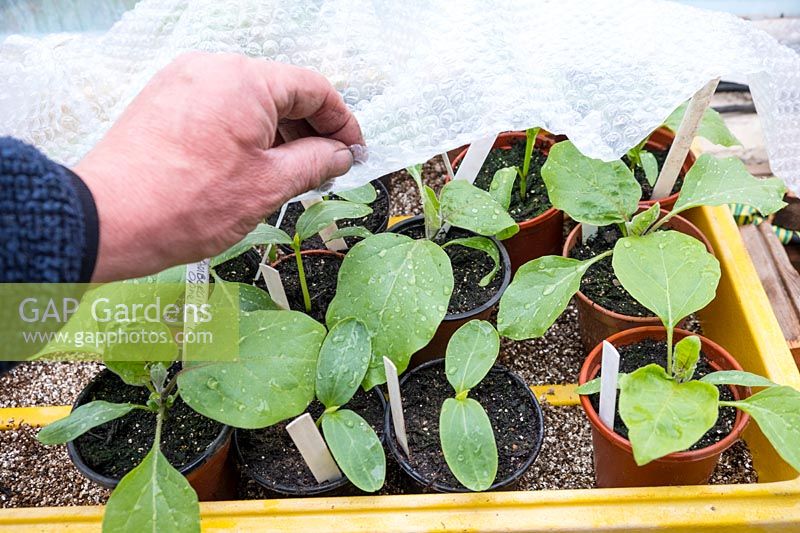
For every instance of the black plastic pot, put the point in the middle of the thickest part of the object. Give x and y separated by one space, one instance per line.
426 485
382 188
452 321
339 487
209 474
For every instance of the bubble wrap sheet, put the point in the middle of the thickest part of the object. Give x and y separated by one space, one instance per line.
422 76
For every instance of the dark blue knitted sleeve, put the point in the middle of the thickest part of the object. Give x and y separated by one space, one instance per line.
48 221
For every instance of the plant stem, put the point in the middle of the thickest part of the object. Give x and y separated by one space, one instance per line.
623 228
301 272
162 413
669 352
661 222
530 142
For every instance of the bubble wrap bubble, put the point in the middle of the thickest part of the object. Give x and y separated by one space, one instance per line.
422 76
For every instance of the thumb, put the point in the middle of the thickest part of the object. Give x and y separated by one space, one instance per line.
304 164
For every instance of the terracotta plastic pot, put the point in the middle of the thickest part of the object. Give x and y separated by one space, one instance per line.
595 321
339 487
538 236
452 321
508 483
661 139
613 456
209 474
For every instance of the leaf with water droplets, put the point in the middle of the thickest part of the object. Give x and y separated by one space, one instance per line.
343 362
502 185
662 415
713 181
471 352
670 273
711 127
466 206
401 311
322 214
640 223
365 194
349 231
589 190
263 234
482 244
82 419
154 496
356 448
650 166
468 443
687 353
539 293
273 378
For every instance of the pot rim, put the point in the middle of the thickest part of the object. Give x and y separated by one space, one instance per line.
400 458
503 142
572 239
109 482
378 184
320 488
505 260
659 332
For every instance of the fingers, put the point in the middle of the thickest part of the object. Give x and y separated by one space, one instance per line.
304 164
299 93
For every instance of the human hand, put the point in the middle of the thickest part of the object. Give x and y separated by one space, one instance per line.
211 146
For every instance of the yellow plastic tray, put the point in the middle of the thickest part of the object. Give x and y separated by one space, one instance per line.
740 318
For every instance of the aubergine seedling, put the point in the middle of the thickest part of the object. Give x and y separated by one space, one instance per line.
314 219
465 431
666 286
605 193
272 380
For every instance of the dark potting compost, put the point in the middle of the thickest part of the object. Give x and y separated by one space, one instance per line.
322 273
648 351
536 200
600 284
638 173
469 266
515 422
375 222
270 453
116 447
241 269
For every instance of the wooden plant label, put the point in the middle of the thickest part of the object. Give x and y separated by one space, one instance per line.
473 160
448 166
683 140
396 404
312 447
274 285
336 245
587 230
608 384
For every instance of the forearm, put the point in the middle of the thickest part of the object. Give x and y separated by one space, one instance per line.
48 220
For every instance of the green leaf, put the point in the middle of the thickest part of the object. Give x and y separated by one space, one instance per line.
416 172
502 185
640 223
777 412
650 166
350 231
365 194
322 214
465 206
430 203
356 448
83 419
154 496
687 353
343 362
130 348
539 293
712 126
471 353
590 190
468 443
133 373
713 181
399 288
263 234
485 245
273 379
251 298
736 377
668 272
593 386
662 415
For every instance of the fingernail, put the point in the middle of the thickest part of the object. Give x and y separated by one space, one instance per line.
342 161
360 153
